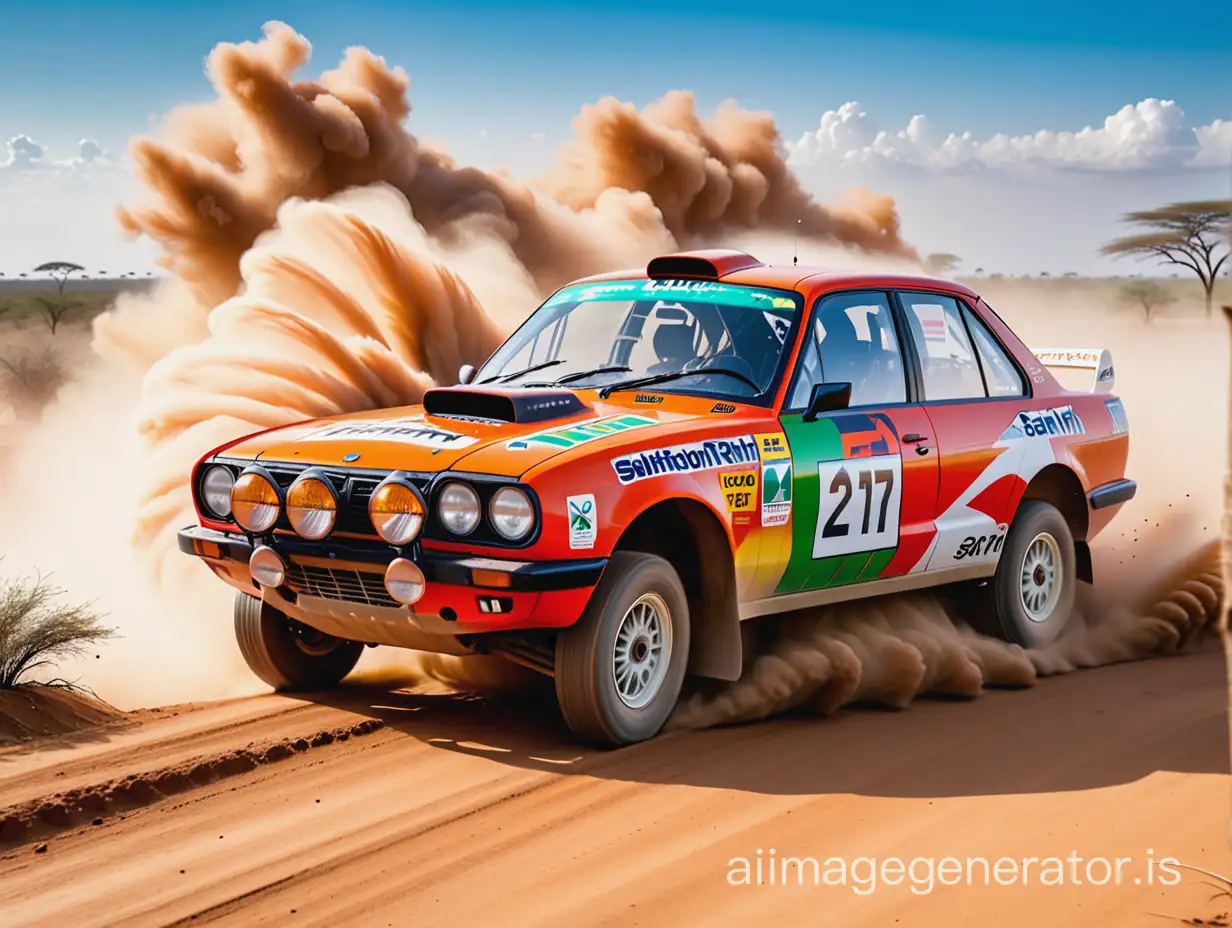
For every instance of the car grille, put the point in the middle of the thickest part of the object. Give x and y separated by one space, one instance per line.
352 586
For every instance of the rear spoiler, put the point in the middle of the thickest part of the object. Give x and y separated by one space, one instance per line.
1098 360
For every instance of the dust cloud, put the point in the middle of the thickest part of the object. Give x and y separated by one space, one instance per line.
323 259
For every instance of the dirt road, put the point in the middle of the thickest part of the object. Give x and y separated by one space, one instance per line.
466 811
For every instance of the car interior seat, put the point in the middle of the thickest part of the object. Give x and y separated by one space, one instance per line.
673 343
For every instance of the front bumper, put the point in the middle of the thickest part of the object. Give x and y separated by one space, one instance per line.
339 588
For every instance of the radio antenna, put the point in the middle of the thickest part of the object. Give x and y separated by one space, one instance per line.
795 254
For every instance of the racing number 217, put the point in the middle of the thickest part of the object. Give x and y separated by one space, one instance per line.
842 484
858 505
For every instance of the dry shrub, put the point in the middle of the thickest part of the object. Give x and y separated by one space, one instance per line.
36 631
31 379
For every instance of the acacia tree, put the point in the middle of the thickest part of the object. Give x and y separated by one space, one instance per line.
1193 235
941 263
1148 294
55 310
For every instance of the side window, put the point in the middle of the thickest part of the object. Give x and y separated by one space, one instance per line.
1000 374
852 339
947 360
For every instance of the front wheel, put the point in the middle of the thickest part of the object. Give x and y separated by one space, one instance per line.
620 668
1031 596
286 654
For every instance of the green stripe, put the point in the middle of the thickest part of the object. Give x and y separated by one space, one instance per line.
812 442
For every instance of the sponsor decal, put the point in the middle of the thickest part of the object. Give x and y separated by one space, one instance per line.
1105 374
648 398
581 521
775 478
739 490
411 430
692 291
580 433
778 324
1045 423
858 505
981 545
1120 421
685 459
723 408
477 419
1065 356
864 436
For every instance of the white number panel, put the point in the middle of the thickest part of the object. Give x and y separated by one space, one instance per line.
859 505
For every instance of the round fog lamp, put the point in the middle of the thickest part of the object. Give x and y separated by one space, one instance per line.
511 513
404 581
458 508
267 567
216 490
311 508
397 512
254 503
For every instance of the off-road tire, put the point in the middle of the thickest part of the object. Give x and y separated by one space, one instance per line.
274 652
586 657
1001 610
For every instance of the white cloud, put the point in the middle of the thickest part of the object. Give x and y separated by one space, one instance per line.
1152 135
25 155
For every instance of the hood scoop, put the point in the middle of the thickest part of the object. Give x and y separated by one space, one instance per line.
502 405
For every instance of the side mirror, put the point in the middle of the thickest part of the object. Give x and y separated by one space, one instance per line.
827 397
466 373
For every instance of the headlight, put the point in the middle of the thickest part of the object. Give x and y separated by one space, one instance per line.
254 503
312 507
397 511
458 508
267 567
404 581
511 513
216 491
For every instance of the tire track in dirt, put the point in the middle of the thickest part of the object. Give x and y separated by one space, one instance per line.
465 811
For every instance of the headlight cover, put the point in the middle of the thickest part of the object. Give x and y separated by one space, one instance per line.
216 487
255 503
458 507
312 506
397 511
511 513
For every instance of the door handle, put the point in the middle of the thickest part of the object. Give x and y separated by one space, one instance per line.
912 438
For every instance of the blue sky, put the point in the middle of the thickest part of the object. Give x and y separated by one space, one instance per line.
487 76
100 69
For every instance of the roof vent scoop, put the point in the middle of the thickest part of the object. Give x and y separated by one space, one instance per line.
495 405
707 264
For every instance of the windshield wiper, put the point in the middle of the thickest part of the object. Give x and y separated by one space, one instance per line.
674 375
505 378
570 378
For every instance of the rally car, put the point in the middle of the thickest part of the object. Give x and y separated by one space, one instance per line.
656 457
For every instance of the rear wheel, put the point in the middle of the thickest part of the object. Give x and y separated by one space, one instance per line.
1031 596
286 654
620 667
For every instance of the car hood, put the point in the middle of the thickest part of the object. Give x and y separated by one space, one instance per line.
413 439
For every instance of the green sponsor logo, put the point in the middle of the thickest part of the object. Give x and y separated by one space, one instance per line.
776 483
581 521
583 432
580 515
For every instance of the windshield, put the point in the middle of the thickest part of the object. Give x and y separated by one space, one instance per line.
718 338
